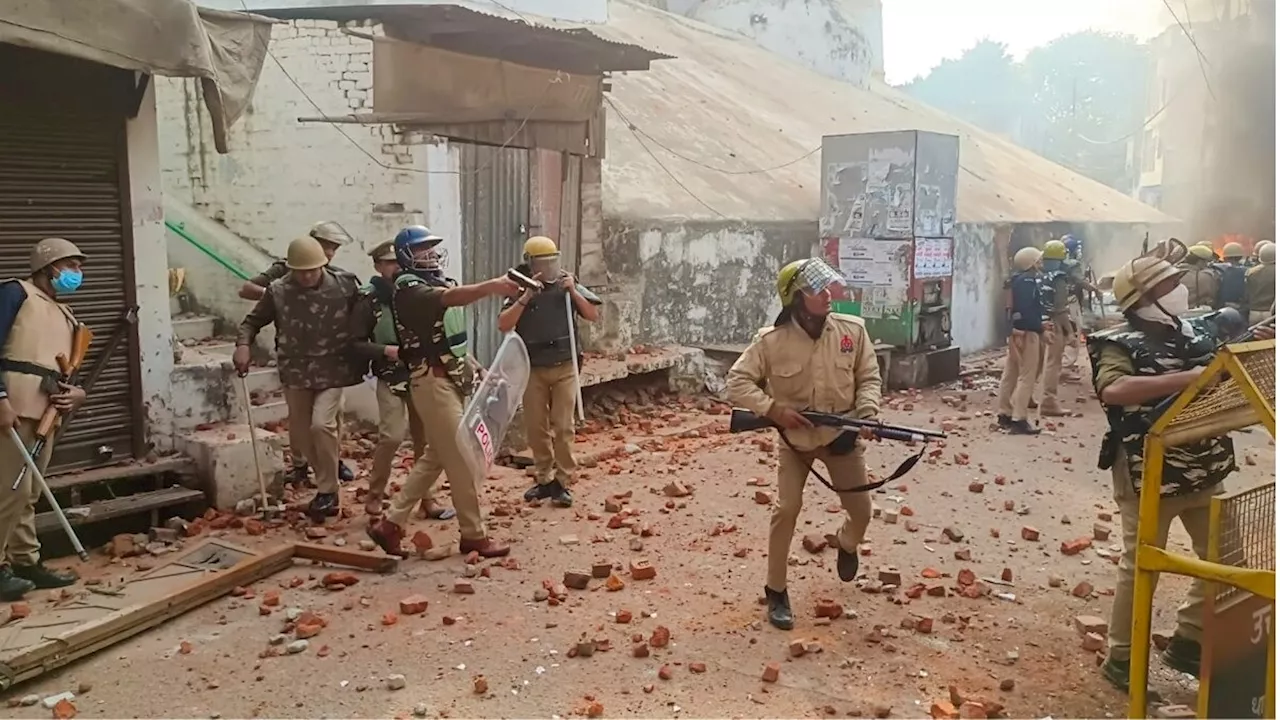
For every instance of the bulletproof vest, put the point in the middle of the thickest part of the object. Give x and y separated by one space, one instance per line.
1055 291
544 328
42 330
420 353
455 318
395 374
1188 468
313 336
1231 290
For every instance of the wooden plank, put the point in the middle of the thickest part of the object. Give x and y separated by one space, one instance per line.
47 522
373 562
60 649
177 463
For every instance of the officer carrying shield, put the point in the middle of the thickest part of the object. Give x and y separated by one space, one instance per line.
331 236
541 320
816 360
36 326
439 380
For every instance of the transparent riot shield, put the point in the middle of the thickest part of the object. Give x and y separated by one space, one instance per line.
493 406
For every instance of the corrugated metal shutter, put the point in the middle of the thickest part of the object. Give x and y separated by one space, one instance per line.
63 173
495 219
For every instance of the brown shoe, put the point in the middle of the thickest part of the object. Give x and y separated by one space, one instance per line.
486 547
388 536
373 504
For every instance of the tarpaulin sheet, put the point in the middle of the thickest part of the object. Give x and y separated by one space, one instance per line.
173 38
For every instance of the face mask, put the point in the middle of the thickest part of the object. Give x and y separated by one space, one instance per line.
1167 309
1052 265
67 281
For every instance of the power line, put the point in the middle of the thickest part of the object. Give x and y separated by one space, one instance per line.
640 132
672 175
1201 60
1141 127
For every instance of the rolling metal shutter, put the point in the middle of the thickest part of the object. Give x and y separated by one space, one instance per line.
63 173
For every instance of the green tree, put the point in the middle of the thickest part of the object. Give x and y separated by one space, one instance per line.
983 86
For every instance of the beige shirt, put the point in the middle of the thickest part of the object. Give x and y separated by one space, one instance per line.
837 373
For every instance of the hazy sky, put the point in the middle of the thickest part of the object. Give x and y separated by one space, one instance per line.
919 34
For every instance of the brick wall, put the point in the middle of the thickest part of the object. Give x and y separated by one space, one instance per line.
282 175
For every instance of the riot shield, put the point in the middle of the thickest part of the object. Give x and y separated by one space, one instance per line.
493 406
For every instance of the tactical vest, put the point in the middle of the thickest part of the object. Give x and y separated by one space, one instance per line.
42 330
313 336
394 374
1231 291
420 354
1055 292
1188 468
455 320
544 327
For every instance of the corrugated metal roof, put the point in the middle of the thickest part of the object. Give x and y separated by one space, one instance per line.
727 103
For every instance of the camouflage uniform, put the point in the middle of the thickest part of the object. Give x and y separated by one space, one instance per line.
1192 473
439 380
279 269
314 360
1056 292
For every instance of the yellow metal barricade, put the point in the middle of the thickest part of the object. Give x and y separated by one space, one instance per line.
1210 407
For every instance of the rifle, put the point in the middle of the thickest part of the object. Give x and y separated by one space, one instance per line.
744 421
81 337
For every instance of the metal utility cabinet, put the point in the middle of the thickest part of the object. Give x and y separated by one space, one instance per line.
887 222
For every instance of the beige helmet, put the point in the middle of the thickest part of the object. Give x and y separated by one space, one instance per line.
1141 275
331 232
1232 251
305 253
50 250
1267 253
384 252
1025 259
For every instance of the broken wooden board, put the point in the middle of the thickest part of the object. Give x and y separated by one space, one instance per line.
96 617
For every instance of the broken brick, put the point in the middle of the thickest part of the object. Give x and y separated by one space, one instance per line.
827 608
462 586
422 542
601 570
614 583
943 709
19 610
763 498
770 674
972 710
1101 533
64 709
1086 624
623 617
924 625
675 489
576 580
389 619
697 667
1175 712
965 577
660 637
640 650
890 576
595 709
643 570
339 578
664 672
254 526
964 555
796 648
1006 575
1083 590
271 598
1074 547
1030 533
976 487
1093 642
304 631
413 605
814 543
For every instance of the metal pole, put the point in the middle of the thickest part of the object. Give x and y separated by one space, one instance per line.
38 477
253 440
573 350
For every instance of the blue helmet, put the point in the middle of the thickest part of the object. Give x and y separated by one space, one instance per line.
409 238
1073 245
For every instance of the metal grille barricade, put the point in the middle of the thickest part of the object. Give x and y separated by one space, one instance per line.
1235 391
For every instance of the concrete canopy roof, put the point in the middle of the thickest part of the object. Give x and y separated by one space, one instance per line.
727 103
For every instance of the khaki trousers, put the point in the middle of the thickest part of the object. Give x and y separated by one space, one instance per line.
549 402
18 507
1055 343
1193 511
395 421
315 431
436 402
844 471
1018 381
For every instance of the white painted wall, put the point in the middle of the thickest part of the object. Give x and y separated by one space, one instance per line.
977 297
281 175
842 39
151 272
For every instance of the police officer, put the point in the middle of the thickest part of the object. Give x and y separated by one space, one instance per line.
1136 366
311 308
331 236
36 326
1022 364
1231 271
810 359
439 380
542 322
1260 285
374 332
1201 280
1057 288
1080 274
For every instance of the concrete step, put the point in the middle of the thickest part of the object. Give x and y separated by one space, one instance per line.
218 349
273 411
263 382
192 328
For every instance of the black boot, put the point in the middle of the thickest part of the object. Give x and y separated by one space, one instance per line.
846 564
323 505
344 472
779 609
42 577
12 587
1004 421
1183 655
1117 673
300 476
553 491
1022 427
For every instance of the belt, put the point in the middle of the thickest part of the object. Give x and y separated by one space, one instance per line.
26 368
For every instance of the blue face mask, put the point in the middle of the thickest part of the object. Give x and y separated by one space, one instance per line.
67 281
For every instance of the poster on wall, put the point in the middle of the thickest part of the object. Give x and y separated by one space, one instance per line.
868 263
933 258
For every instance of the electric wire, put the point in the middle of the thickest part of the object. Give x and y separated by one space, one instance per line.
1201 59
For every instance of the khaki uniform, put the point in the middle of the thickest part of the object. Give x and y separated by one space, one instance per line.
1260 292
42 330
837 373
1058 292
1201 465
314 360
438 383
1022 365
1202 286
